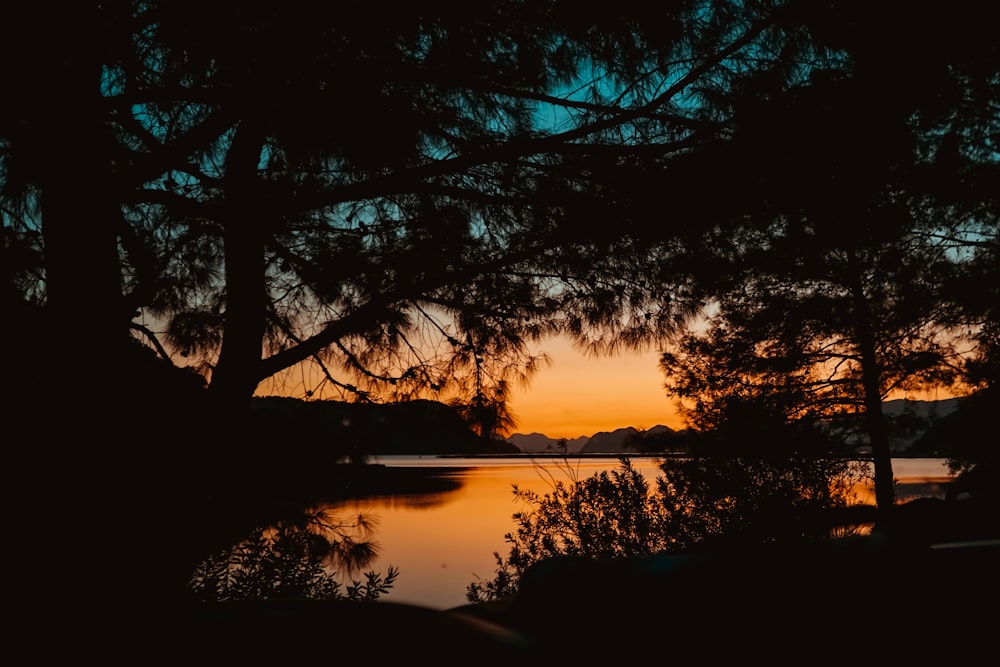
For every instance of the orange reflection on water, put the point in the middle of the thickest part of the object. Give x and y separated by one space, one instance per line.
907 488
441 547
443 542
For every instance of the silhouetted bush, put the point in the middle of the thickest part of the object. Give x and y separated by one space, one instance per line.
294 560
697 502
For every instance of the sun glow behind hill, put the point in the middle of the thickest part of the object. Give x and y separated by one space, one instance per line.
575 396
579 396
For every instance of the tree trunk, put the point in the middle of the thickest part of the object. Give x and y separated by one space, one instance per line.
71 162
77 423
232 463
237 373
875 423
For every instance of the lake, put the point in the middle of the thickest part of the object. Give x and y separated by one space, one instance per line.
443 541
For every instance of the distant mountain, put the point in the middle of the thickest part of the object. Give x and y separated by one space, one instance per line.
537 443
604 442
909 421
920 409
609 442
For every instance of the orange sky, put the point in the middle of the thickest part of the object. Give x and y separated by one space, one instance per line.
578 395
574 396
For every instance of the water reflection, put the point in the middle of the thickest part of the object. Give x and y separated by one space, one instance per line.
320 553
395 501
447 540
442 546
439 521
398 481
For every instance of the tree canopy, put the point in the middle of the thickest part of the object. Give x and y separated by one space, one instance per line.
859 204
383 205
395 199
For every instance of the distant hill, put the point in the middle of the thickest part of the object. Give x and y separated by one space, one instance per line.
605 442
424 427
921 409
609 442
910 420
537 443
409 427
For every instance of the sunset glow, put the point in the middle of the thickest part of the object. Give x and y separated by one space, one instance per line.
575 396
578 395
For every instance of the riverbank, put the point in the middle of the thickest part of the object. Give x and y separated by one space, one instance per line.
779 605
918 589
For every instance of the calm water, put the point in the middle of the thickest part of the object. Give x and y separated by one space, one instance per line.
443 542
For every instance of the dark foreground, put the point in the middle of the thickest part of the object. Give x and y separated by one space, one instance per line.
925 591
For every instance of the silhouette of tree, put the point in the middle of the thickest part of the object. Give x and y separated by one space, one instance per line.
489 416
811 330
404 201
977 292
383 200
854 203
409 201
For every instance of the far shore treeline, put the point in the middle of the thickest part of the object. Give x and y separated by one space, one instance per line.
353 432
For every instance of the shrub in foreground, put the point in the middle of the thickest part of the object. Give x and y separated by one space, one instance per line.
295 559
697 501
